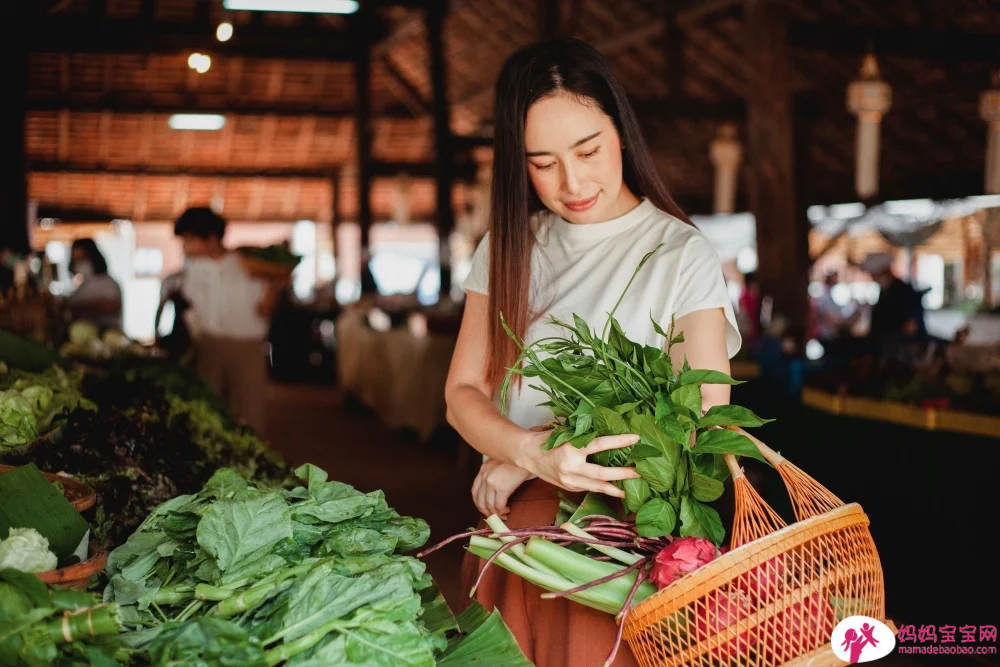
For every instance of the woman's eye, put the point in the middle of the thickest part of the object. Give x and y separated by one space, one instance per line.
592 153
545 167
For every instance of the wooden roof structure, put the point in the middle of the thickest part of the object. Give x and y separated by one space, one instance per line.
104 76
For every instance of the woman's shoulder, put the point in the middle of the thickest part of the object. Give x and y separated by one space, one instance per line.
674 233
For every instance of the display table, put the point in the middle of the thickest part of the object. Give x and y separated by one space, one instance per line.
397 374
932 419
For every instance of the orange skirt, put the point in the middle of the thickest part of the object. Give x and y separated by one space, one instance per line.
552 633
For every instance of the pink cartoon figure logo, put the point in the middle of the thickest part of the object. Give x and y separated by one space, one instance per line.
862 639
856 641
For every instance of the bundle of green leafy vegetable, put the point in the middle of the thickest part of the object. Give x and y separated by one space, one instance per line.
40 625
144 446
314 575
30 403
610 385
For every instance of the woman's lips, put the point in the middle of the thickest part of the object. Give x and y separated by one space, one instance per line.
581 205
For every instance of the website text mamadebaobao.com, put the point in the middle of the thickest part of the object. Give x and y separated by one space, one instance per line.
944 650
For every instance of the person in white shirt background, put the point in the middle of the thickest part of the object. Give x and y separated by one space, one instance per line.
228 317
97 298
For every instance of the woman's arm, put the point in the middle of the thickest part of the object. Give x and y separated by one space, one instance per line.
705 347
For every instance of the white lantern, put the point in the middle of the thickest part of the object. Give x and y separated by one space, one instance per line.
726 152
868 98
989 109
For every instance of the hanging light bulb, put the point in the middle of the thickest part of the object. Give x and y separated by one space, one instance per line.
725 152
199 62
868 98
224 32
989 109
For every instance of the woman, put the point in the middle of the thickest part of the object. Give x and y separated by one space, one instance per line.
97 298
576 202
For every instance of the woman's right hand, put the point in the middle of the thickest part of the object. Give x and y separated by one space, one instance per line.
567 467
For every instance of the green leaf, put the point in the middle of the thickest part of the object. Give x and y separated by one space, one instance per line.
704 488
583 423
583 439
681 476
594 503
671 425
650 434
658 473
664 405
711 465
626 407
731 415
636 493
723 441
688 396
491 643
710 521
234 531
643 451
655 519
609 422
656 327
690 525
704 376
582 329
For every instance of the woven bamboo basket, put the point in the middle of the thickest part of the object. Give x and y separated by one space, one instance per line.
777 596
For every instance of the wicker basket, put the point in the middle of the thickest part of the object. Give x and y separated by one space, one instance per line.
78 575
777 596
79 495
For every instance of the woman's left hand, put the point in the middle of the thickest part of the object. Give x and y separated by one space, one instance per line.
494 485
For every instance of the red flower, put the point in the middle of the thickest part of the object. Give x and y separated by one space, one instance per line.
681 556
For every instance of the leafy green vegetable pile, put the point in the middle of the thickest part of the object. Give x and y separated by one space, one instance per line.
31 402
309 576
49 626
610 385
145 445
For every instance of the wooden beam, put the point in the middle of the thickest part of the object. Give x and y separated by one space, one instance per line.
13 154
443 150
548 19
935 45
363 143
784 256
63 136
463 171
627 39
672 45
81 35
405 90
209 103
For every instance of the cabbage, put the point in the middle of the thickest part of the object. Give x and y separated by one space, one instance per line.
26 550
18 425
82 332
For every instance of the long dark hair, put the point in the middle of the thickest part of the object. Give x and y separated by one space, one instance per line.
89 247
529 75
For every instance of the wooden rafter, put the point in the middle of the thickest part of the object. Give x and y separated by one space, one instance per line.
197 103
404 90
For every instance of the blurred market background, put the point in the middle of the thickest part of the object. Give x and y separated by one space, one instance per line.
357 135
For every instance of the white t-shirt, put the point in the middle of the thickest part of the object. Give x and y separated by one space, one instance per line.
583 269
99 287
224 299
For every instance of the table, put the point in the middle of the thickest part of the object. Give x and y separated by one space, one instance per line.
399 375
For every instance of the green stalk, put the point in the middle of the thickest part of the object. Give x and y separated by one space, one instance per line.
601 600
619 555
244 600
87 622
497 524
584 570
191 610
173 595
212 593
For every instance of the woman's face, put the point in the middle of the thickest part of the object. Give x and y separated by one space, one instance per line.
575 160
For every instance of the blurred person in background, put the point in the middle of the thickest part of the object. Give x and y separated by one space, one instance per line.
97 297
228 315
749 309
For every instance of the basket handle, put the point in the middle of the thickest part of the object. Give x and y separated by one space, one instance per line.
809 497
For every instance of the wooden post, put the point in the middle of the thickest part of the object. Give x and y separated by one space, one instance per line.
782 240
444 159
548 19
362 78
13 175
